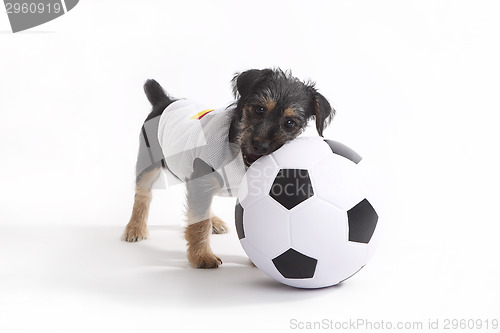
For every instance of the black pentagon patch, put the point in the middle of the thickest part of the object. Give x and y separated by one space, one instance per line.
238 218
344 151
291 187
362 220
295 265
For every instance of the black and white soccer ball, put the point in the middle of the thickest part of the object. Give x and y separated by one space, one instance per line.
305 215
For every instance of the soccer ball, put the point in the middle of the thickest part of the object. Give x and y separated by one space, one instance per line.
304 213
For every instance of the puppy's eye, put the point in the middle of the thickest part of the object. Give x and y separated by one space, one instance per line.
290 124
259 109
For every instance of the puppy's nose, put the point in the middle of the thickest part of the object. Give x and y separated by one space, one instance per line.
261 147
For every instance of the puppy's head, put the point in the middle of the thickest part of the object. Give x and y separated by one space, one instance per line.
274 107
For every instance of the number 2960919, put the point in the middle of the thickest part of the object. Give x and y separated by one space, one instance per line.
33 8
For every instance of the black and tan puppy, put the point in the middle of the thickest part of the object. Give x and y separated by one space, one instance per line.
272 108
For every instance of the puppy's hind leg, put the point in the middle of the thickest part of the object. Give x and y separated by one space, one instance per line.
149 162
137 226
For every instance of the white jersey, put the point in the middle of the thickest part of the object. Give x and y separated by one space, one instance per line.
187 132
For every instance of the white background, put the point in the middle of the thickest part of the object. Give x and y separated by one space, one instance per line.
415 85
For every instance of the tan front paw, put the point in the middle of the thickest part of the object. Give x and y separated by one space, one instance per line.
134 234
205 260
219 226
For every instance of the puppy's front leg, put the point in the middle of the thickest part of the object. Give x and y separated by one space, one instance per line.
201 189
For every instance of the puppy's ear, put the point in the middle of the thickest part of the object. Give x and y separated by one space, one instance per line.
322 110
244 83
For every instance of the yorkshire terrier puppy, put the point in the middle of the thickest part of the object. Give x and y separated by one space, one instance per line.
210 150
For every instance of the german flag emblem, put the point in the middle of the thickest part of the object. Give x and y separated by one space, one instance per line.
201 114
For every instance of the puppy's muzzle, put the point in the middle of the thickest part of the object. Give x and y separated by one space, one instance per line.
261 147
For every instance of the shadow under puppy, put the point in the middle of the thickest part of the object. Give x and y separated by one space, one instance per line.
210 150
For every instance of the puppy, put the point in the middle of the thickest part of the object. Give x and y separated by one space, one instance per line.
210 150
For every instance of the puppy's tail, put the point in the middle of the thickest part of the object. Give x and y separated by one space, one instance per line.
155 93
